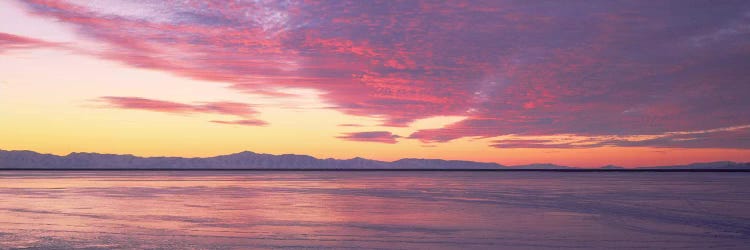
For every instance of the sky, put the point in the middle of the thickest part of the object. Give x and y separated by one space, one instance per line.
579 83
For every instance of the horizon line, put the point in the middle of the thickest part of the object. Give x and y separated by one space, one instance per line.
364 170
508 167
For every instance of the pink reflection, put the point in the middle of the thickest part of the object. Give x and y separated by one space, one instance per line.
369 209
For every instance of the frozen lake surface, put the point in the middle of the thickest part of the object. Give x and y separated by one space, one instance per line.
380 210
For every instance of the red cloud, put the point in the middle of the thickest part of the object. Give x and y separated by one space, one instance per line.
223 108
371 136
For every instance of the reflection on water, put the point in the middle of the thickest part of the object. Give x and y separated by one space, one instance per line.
387 210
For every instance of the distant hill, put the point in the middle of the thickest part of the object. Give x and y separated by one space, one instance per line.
612 167
541 166
706 165
250 160
242 160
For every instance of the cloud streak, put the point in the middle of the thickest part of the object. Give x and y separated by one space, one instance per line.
245 122
731 137
371 136
223 108
10 41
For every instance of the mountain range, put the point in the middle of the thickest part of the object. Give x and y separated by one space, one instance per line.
23 159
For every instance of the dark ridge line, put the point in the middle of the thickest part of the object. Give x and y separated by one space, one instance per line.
373 170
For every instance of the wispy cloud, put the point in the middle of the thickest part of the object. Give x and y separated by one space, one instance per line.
731 137
224 108
10 41
371 136
246 122
349 125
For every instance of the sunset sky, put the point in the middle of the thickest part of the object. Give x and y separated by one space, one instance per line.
580 83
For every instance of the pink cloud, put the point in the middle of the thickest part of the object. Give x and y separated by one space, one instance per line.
148 104
224 108
10 41
603 68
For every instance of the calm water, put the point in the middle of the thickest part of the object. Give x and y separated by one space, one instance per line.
424 210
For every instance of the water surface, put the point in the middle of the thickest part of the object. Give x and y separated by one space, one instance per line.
377 210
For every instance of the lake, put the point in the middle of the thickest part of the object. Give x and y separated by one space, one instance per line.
373 210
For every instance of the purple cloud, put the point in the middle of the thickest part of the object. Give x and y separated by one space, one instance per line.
371 136
733 137
601 68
